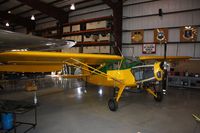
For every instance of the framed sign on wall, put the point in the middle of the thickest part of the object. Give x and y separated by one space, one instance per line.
137 36
188 34
160 35
149 48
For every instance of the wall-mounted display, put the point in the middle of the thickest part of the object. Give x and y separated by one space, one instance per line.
188 34
149 48
137 36
160 35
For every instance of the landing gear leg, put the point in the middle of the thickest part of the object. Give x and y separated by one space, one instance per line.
113 104
114 91
158 92
159 97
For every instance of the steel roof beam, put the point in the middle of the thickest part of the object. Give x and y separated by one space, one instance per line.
4 2
17 19
51 11
53 2
15 7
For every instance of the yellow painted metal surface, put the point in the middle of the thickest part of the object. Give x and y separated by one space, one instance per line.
125 76
96 79
158 69
29 61
35 62
170 58
113 78
99 80
75 76
121 89
30 68
58 57
196 117
151 92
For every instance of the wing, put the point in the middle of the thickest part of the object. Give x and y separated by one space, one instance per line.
14 41
160 58
21 61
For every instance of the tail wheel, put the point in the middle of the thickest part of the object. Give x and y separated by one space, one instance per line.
112 104
159 97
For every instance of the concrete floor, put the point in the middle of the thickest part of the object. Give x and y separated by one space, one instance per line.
76 109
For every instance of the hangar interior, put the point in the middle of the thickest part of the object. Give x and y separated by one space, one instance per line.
128 28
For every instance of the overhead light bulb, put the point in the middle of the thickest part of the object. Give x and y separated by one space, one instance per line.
9 12
7 24
72 7
32 17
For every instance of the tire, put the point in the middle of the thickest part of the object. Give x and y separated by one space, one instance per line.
112 104
159 97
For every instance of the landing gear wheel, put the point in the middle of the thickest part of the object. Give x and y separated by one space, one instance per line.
112 104
159 97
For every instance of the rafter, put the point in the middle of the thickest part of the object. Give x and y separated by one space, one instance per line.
17 19
51 3
3 2
15 7
109 3
38 14
51 11
78 3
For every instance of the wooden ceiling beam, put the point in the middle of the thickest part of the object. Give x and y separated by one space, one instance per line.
51 11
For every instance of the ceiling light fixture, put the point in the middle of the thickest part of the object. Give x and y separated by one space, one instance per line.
32 17
7 24
9 12
72 7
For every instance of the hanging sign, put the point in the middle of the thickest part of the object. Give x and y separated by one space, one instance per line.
149 49
160 35
137 36
188 34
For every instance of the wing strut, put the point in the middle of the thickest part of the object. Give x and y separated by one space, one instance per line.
113 102
95 71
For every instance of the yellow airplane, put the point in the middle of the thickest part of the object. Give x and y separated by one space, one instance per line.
99 69
109 70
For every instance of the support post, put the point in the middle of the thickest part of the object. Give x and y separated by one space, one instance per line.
59 30
164 82
117 7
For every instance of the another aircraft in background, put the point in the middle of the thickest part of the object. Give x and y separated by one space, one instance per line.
13 41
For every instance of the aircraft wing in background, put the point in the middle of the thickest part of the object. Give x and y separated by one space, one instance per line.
12 41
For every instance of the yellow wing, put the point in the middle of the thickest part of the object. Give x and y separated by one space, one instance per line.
159 58
30 61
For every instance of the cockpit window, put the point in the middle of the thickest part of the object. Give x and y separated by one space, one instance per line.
143 73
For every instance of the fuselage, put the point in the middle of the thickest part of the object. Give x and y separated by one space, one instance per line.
125 76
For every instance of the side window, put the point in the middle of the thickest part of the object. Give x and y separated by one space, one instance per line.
143 73
138 73
148 72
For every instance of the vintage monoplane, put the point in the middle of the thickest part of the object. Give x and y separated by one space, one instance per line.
100 69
